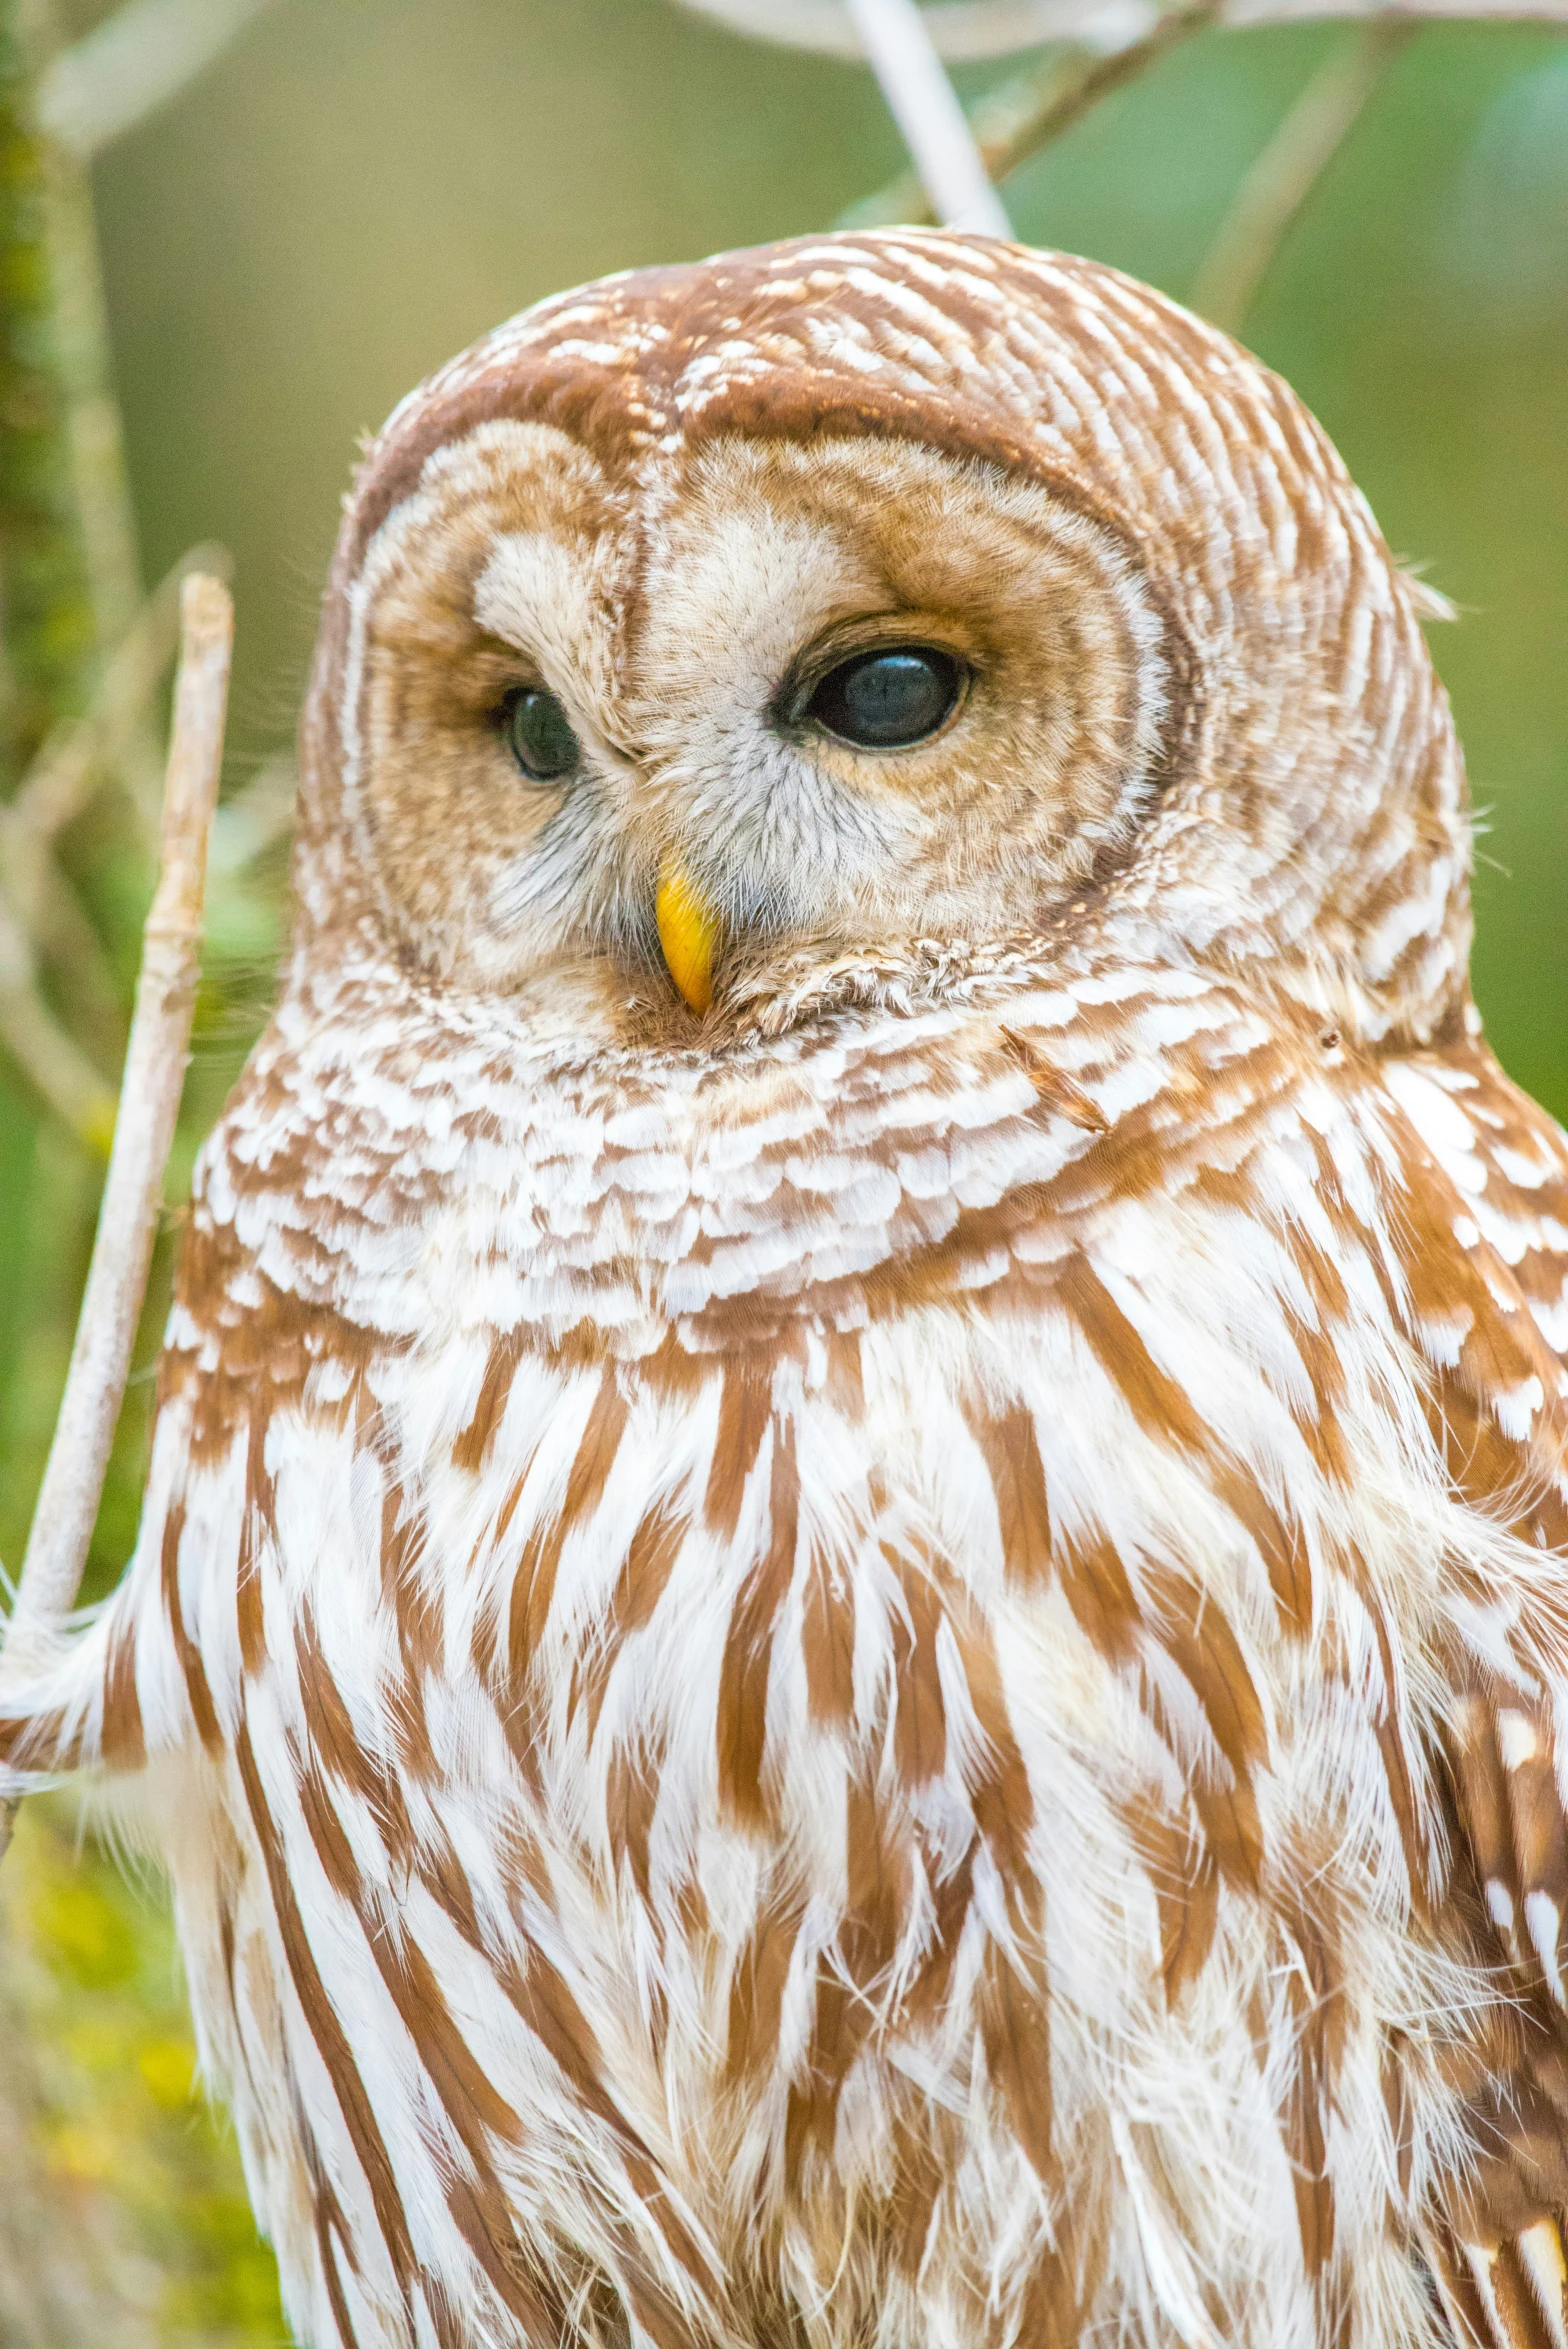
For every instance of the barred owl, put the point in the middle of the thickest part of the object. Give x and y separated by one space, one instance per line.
853 1607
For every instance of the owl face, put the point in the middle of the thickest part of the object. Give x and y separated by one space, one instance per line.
824 600
849 690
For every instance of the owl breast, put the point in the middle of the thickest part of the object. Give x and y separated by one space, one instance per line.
795 1685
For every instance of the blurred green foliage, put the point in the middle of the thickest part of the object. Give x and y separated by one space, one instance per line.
357 189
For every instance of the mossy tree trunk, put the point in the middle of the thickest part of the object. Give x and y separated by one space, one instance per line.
47 622
122 2214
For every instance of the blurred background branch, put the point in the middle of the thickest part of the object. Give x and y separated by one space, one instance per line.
1282 178
1109 42
962 30
131 64
81 1098
1015 121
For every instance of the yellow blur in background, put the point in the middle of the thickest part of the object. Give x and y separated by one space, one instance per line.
123 2217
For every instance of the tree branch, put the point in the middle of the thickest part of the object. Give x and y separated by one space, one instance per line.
1059 107
250 820
1030 110
924 104
79 754
993 28
1290 166
37 909
149 1104
960 30
133 63
53 1060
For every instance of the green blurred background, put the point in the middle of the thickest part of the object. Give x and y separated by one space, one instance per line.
354 190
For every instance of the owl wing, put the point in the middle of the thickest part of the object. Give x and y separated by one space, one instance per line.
1484 1258
283 1611
160 1664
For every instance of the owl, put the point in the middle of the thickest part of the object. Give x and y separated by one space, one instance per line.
852 1618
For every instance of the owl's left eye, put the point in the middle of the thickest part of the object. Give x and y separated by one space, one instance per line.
539 735
888 699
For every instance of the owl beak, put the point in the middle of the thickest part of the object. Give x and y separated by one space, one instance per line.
688 932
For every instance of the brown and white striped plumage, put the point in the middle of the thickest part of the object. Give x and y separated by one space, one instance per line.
884 1668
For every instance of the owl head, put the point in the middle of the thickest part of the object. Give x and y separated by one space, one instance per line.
710 626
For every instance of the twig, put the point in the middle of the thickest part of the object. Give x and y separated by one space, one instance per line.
924 104
1243 15
131 64
1059 108
1030 110
992 28
80 753
37 905
993 119
1284 175
35 1039
251 820
149 1105
959 29
65 941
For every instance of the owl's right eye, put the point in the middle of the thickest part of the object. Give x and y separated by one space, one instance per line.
539 735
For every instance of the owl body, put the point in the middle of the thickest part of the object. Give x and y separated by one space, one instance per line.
873 1657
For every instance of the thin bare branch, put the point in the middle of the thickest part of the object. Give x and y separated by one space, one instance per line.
251 820
59 1068
959 29
62 933
38 910
79 755
133 63
1031 109
1060 108
924 104
1241 15
993 28
1290 166
149 1105
993 118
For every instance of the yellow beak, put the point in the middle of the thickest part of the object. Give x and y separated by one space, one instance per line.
688 933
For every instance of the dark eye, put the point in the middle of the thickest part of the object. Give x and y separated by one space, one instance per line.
539 735
885 700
